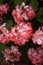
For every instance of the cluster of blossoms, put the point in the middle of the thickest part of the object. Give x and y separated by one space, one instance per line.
21 33
3 36
35 55
23 12
12 54
38 37
4 9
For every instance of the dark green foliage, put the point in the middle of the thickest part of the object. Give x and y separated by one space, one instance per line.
41 11
2 46
9 24
1 1
39 18
34 4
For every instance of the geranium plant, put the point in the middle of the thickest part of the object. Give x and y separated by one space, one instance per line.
21 32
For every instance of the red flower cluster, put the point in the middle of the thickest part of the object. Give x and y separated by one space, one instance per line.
35 56
21 33
38 36
23 12
12 54
4 9
4 34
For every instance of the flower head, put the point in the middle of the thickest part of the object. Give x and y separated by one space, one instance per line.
35 55
4 9
38 36
12 54
21 33
23 12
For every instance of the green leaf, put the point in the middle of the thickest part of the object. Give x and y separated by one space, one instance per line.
9 24
18 2
2 46
41 11
1 1
11 3
34 3
39 18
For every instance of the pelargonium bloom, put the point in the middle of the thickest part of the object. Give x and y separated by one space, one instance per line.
17 14
21 33
38 36
3 39
12 54
4 34
30 12
4 9
23 12
35 55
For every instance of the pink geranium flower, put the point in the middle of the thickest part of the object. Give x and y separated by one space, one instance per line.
12 54
23 12
35 56
38 36
4 9
21 33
